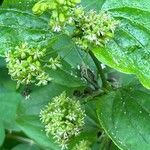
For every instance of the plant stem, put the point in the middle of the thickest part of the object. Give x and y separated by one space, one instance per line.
92 96
109 145
21 139
100 70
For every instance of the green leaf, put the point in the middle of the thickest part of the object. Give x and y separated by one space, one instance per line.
8 107
94 4
20 4
25 147
67 49
32 127
9 99
125 116
6 84
129 51
66 78
18 26
2 133
2 62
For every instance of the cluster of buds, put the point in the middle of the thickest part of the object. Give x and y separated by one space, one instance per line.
82 145
63 118
26 67
61 12
92 28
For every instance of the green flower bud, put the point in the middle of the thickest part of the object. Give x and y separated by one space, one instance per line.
39 8
78 11
76 1
29 77
61 17
54 14
69 3
60 1
65 8
25 64
23 55
52 6
38 63
44 7
29 59
110 35
36 9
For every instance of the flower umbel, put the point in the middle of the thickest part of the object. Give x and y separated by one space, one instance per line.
63 117
92 28
25 65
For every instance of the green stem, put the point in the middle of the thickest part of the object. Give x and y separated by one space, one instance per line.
109 145
100 70
92 96
21 139
105 142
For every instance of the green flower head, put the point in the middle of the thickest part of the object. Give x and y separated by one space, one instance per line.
92 28
25 65
63 118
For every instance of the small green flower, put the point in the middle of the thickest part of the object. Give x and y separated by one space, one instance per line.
82 145
63 117
54 63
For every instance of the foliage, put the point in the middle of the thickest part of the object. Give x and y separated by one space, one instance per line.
57 56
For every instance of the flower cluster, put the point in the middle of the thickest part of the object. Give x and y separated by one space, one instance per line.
61 12
92 28
26 67
63 118
82 145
